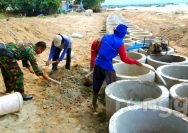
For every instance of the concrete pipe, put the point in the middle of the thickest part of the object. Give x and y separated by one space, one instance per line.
110 31
127 93
11 103
128 42
179 95
140 35
112 25
144 33
137 56
137 119
132 26
133 72
159 60
134 30
169 52
127 37
173 74
146 41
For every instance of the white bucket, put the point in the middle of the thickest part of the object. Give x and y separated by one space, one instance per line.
11 103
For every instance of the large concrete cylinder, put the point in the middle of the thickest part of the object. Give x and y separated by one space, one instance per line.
131 30
137 56
144 33
140 35
11 103
179 95
159 60
169 52
137 119
128 41
173 74
146 41
133 72
131 25
126 93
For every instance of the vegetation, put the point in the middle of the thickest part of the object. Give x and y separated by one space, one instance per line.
2 16
31 7
4 4
90 4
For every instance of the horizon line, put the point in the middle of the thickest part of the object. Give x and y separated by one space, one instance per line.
145 3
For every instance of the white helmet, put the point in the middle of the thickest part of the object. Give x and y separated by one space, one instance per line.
57 40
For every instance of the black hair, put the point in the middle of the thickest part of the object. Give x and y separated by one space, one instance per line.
41 44
63 39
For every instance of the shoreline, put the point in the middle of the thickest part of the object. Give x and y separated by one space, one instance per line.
165 9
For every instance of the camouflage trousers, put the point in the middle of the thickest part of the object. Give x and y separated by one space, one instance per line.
12 74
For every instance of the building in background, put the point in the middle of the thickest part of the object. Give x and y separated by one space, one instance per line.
68 5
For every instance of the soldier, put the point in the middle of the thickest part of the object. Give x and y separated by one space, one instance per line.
12 74
59 43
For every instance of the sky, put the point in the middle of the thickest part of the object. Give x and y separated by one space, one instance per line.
120 2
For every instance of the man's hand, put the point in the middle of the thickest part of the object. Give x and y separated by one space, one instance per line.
31 71
45 77
139 64
57 61
48 63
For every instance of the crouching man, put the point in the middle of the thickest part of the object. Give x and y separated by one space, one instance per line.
60 43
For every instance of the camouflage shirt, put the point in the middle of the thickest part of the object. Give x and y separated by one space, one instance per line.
25 52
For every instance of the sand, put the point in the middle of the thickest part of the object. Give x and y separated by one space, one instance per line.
67 108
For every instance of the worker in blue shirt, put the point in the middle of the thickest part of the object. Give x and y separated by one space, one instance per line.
111 46
59 43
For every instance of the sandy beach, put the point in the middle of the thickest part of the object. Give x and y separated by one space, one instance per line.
67 108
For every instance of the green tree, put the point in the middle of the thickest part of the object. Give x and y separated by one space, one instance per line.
4 4
90 4
35 7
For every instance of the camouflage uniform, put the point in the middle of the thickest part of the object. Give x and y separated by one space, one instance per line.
12 74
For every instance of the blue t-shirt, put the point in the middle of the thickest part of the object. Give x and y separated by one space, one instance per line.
108 50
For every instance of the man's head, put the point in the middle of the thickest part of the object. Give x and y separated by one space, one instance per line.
40 47
58 40
120 30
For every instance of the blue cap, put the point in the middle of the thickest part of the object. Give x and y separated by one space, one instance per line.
121 30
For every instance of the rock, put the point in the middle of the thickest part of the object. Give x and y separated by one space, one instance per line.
45 106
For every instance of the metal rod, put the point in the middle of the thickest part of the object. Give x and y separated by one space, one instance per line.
164 83
55 81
